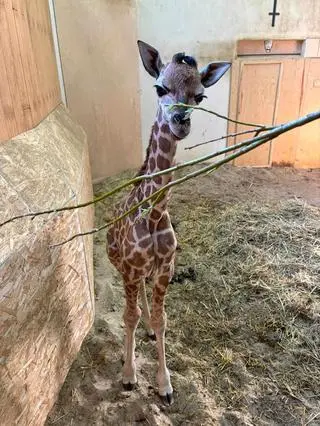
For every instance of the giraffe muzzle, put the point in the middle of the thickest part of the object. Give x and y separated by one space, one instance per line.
181 118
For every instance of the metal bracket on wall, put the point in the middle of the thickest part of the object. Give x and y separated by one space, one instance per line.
57 51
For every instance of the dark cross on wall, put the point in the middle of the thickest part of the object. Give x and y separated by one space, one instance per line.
274 13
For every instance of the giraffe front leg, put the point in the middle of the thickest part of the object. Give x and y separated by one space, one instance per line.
131 318
158 322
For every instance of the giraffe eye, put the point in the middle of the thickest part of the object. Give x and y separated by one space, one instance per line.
199 98
161 91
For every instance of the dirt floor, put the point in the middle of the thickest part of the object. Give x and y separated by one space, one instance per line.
243 311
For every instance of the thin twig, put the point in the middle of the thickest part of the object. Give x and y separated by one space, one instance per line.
273 133
311 418
128 183
230 135
216 114
165 188
250 145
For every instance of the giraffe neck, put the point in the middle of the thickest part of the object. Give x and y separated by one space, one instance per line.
161 152
160 155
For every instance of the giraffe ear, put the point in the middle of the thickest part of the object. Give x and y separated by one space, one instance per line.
212 72
150 58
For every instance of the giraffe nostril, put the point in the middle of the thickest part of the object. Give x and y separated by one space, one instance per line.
178 118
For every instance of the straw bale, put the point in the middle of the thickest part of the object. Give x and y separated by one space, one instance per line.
46 294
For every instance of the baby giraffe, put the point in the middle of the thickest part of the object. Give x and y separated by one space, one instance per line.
143 246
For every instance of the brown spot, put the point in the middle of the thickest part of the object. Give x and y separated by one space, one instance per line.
162 162
164 223
141 230
137 259
152 164
155 215
163 280
139 193
154 146
157 180
156 128
166 243
148 191
164 145
165 128
145 242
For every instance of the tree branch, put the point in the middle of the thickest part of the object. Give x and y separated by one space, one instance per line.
243 147
128 183
231 135
243 123
247 146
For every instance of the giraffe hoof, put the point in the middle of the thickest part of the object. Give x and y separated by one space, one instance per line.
152 336
167 399
129 386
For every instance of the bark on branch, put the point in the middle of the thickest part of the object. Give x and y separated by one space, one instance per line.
239 148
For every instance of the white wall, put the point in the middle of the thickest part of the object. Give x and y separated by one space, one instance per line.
99 55
208 30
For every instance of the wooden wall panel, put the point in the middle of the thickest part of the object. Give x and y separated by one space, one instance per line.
258 90
255 97
10 124
29 86
233 101
283 149
279 47
14 73
308 147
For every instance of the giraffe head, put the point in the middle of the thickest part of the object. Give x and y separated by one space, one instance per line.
179 81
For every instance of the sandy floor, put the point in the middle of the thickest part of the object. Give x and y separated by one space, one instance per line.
243 311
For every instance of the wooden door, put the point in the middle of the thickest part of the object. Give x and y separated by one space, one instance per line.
258 91
308 142
272 91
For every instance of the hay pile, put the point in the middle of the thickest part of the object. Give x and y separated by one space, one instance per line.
243 313
251 329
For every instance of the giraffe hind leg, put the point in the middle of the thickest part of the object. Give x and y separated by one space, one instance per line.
146 311
158 322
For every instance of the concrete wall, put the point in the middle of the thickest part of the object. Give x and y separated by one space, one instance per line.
208 29
110 94
98 50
